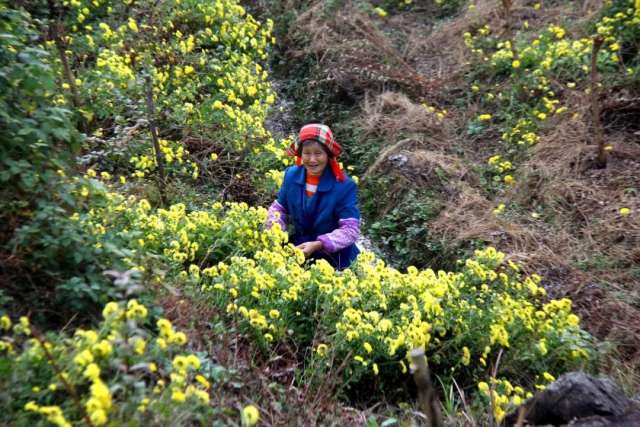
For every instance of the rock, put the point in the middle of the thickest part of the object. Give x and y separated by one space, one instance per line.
576 396
630 419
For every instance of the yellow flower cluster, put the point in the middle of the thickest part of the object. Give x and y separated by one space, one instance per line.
371 310
90 365
433 110
380 314
499 165
380 12
117 66
53 413
504 397
100 401
374 312
250 415
552 56
522 133
173 154
188 50
173 233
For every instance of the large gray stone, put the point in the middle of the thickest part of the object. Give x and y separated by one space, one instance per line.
575 396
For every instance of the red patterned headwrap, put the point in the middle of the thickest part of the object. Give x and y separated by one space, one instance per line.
322 135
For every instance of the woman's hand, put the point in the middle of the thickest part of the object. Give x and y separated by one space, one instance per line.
309 248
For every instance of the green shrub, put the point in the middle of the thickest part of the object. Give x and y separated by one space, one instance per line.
119 373
37 135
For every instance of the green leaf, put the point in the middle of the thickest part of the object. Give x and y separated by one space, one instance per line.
372 422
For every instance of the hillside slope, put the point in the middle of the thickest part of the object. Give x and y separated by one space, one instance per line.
476 121
139 150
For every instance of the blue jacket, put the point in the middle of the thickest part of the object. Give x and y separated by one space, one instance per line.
319 214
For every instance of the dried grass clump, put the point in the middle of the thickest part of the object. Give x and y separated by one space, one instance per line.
609 317
354 52
469 216
420 168
586 201
393 115
439 52
565 151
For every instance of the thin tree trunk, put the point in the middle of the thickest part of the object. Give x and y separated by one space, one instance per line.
151 112
56 32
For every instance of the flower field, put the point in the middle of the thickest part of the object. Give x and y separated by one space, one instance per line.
371 314
136 163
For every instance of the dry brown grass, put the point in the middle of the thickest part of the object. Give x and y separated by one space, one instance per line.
355 53
587 199
392 115
469 217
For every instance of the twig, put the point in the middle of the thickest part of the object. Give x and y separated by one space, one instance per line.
467 410
331 374
69 322
522 413
70 388
494 372
601 160
56 32
373 35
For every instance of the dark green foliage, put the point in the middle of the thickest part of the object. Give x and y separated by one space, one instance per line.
629 35
400 227
62 258
36 135
55 261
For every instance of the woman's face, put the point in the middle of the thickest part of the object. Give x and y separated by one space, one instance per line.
314 158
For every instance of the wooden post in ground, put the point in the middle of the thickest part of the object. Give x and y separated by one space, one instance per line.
426 393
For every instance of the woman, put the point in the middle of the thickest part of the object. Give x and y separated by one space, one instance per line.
319 200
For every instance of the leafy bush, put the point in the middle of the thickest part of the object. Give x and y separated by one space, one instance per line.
372 315
36 134
66 256
204 64
404 235
118 373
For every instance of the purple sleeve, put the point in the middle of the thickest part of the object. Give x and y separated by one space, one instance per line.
272 216
345 235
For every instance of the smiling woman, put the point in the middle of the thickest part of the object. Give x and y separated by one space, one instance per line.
315 157
320 201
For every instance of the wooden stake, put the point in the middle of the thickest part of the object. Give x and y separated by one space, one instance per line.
426 393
